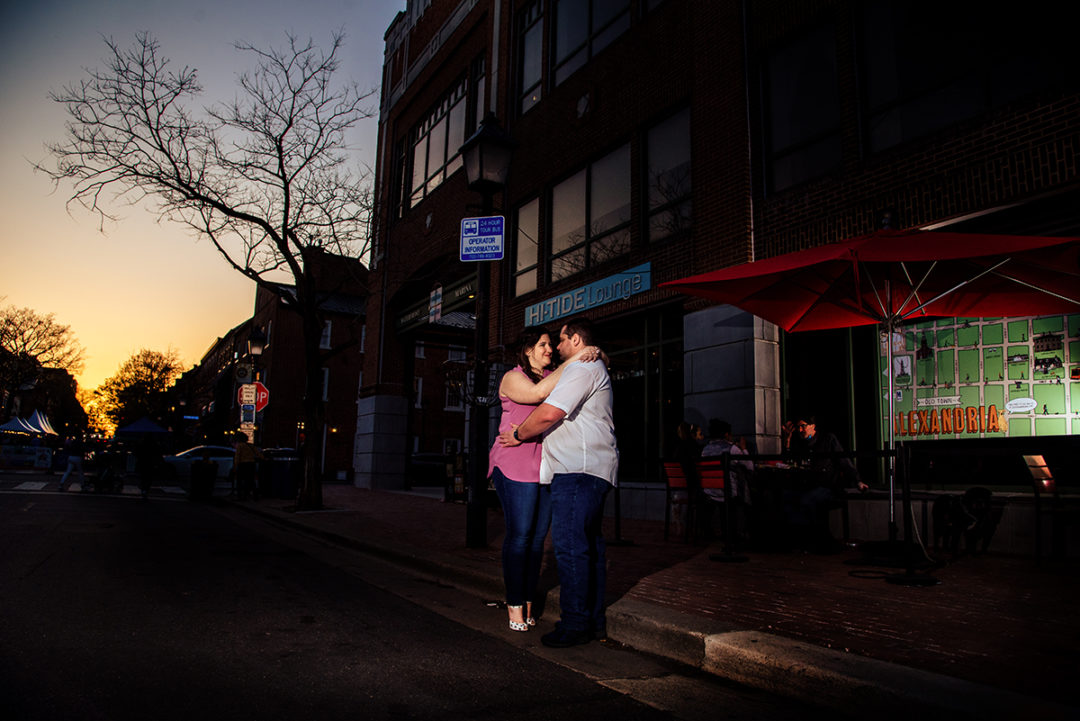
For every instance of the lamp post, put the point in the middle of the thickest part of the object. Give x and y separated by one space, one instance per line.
486 156
256 344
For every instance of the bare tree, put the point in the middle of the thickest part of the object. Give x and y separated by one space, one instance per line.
30 341
264 177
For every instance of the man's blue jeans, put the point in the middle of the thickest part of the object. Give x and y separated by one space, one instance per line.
577 514
527 510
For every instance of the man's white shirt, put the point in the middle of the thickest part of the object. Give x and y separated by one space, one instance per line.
583 441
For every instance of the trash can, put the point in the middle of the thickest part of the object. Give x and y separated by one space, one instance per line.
203 477
283 474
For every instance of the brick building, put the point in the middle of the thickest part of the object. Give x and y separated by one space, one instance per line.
662 138
209 390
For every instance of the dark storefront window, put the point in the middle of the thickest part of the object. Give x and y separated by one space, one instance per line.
804 109
590 215
669 176
647 384
922 76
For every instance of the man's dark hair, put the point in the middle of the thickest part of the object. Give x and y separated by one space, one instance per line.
718 428
582 327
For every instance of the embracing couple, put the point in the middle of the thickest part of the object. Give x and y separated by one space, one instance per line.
553 463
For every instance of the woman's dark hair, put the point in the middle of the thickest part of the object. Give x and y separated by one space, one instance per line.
526 340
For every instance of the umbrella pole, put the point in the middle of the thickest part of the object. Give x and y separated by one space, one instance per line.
909 577
890 427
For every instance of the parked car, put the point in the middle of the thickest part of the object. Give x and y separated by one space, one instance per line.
180 464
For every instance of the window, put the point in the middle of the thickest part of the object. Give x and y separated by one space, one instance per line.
456 354
804 109
326 384
583 28
477 90
418 391
531 66
526 247
668 181
922 76
590 215
418 349
454 401
324 341
435 141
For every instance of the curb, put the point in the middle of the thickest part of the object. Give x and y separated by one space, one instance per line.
776 664
822 676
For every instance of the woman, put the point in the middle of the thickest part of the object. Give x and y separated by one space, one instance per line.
515 473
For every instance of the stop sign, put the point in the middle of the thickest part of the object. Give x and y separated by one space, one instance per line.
262 396
253 394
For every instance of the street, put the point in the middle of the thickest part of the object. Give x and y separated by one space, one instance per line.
114 608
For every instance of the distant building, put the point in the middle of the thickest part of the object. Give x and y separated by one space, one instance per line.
210 390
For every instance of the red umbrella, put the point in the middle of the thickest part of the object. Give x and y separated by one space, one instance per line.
891 276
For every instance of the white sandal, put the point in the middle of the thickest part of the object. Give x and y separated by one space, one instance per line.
518 625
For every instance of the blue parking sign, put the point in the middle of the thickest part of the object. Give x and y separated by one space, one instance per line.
482 238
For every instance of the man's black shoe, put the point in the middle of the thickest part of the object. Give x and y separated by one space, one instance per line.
562 638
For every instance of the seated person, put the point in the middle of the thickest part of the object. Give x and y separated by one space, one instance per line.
689 440
820 482
722 441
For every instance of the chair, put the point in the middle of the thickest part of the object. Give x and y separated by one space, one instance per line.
678 494
1061 514
710 474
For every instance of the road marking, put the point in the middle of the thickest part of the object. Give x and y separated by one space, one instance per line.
30 486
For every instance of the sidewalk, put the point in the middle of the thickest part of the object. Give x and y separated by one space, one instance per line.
997 638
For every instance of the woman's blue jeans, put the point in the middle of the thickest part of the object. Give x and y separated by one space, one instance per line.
577 507
527 509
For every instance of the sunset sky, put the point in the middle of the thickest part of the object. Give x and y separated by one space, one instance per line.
137 284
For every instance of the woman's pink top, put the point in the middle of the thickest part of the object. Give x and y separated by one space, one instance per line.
519 463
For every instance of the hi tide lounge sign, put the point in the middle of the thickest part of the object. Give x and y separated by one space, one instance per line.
616 287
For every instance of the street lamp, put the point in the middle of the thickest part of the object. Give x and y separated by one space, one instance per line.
256 343
486 156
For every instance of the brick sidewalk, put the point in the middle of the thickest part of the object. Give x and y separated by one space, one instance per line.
1004 622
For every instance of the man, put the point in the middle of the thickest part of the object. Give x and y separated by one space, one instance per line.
75 450
580 460
826 475
245 463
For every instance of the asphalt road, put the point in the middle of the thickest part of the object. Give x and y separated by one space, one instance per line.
119 608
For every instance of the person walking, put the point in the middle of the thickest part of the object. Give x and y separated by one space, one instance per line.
580 461
515 473
75 451
147 462
245 463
